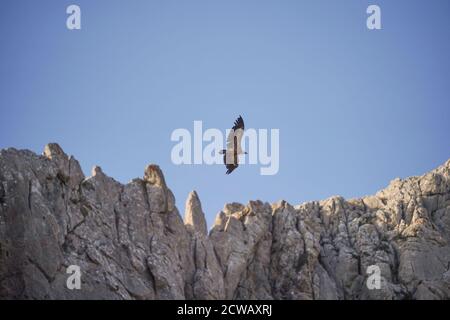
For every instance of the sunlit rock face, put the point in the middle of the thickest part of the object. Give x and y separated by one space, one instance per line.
130 241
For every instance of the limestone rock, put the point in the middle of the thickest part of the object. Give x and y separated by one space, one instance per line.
130 241
194 218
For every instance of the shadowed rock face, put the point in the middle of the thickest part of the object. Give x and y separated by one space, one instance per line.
131 242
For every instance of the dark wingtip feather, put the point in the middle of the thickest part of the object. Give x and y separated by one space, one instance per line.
239 123
230 170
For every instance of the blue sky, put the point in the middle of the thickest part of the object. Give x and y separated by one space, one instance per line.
355 108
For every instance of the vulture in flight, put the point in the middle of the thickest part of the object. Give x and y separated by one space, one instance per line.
231 154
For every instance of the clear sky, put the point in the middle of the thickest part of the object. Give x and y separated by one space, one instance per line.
355 108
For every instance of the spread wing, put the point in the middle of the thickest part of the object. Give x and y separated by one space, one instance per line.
235 136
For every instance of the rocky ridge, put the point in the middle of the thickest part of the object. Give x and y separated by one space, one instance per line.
131 242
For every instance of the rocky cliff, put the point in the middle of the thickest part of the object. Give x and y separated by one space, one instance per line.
130 241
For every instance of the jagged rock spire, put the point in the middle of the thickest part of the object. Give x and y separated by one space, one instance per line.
69 168
154 176
194 216
53 151
96 171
